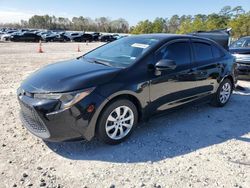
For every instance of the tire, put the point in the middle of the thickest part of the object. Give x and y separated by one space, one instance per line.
110 125
223 93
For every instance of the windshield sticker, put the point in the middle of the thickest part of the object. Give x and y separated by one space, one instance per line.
138 45
133 58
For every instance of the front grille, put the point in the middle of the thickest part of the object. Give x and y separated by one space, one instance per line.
32 121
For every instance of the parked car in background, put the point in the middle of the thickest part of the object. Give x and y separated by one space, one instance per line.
1 33
221 36
95 36
241 50
25 37
80 37
75 36
107 38
6 36
87 37
107 91
55 37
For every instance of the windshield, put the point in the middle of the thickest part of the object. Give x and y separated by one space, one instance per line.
122 52
241 43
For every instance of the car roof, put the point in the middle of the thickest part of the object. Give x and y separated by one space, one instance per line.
159 35
166 36
163 37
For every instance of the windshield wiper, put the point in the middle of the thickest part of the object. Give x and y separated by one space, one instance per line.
101 63
92 60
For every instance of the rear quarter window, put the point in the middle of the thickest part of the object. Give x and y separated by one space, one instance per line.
202 51
217 53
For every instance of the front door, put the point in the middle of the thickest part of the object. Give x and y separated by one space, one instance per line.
173 87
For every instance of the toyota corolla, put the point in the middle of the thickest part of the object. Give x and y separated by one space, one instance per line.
107 91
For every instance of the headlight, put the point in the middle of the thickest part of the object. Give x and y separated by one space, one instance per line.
67 99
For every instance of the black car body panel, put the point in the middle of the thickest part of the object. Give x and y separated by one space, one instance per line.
220 36
150 89
59 78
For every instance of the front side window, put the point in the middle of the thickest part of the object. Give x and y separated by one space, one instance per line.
202 51
178 51
122 52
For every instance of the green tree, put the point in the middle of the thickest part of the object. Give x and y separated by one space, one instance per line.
240 25
143 27
158 25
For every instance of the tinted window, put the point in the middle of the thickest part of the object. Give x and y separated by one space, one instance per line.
217 53
241 43
179 52
247 43
202 51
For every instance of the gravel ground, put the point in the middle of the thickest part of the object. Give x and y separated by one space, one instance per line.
196 146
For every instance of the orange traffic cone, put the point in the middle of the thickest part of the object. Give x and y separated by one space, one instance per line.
78 48
40 50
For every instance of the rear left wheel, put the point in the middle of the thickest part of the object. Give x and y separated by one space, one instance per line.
117 121
223 93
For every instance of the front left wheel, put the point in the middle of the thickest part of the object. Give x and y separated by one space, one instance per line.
117 121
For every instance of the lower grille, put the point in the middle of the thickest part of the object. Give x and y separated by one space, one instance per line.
32 121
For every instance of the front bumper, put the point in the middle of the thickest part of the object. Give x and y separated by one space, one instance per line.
243 64
243 68
39 116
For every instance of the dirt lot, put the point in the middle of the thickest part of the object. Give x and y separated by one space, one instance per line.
196 146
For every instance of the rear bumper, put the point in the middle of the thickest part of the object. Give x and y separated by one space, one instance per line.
39 118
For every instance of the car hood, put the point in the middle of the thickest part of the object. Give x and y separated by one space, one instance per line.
239 50
68 76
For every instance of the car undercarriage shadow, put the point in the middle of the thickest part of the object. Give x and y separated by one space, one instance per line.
174 134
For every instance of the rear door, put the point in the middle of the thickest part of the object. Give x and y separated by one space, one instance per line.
207 67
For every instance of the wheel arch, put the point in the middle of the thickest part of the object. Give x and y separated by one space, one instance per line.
230 77
129 96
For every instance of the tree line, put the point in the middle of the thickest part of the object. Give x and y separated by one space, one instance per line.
236 18
228 17
102 24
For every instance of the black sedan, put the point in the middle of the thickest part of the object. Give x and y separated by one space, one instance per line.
25 37
80 37
54 37
107 91
107 38
241 50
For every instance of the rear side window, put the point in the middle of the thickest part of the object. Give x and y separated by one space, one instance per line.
217 53
178 51
202 51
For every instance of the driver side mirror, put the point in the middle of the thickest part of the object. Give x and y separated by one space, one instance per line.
165 64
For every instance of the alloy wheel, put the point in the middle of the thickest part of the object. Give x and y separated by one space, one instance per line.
225 92
119 122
